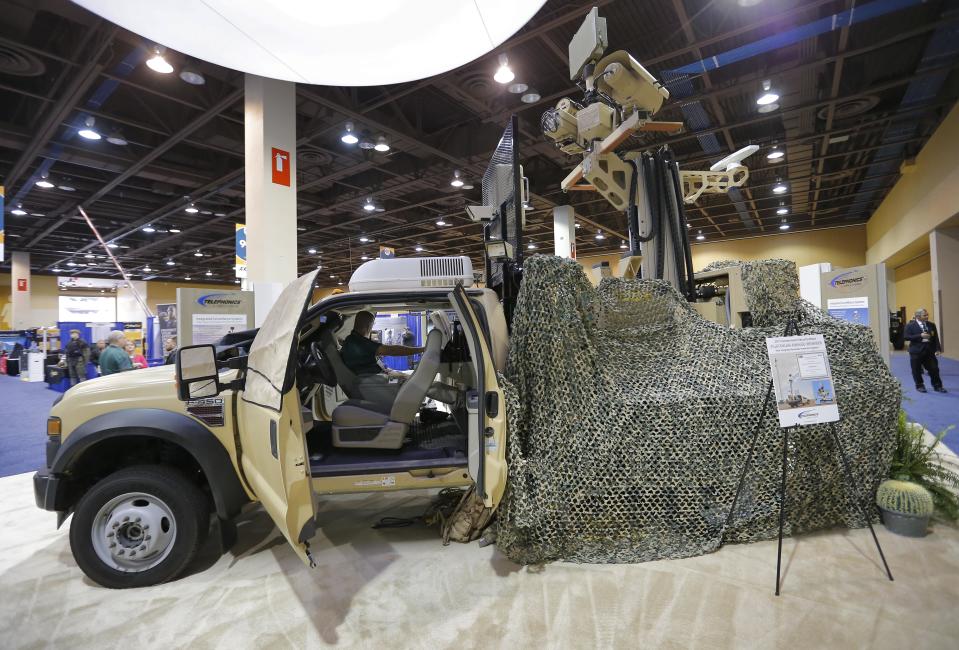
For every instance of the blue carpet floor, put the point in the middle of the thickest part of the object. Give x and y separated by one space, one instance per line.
24 408
933 410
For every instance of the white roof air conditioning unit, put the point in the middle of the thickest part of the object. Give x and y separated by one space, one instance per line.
406 273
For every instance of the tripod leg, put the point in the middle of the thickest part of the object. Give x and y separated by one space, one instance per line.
782 510
856 497
749 456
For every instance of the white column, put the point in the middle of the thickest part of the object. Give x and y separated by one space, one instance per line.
564 231
21 316
944 311
270 138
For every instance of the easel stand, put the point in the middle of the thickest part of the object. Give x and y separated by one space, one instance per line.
792 329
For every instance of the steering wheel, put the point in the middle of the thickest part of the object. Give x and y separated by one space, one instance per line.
315 357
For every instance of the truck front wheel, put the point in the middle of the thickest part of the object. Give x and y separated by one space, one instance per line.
138 527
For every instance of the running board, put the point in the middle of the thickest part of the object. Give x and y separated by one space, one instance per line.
320 470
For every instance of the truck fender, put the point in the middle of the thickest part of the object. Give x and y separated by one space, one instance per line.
196 439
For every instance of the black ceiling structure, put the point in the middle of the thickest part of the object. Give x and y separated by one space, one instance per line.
855 103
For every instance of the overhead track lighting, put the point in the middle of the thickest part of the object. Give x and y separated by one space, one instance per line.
158 63
192 77
44 183
381 144
503 74
457 181
348 136
88 131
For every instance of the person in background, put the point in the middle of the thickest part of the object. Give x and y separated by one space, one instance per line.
95 352
77 353
114 358
138 360
924 346
360 351
169 350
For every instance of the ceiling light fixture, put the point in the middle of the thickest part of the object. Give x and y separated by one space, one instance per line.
116 138
530 246
531 96
192 77
600 235
775 154
89 256
381 144
441 223
198 254
348 136
170 263
623 245
208 273
418 249
188 278
66 188
147 269
311 251
19 211
364 257
44 183
56 269
149 228
503 74
364 239
192 209
779 187
369 206
366 142
88 132
769 96
457 181
517 88
784 225
173 229
71 263
158 63
782 209
113 245
700 236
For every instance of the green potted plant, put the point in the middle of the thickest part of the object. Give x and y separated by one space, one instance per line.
918 463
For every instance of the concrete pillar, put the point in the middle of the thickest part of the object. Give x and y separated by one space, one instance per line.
270 133
944 257
20 286
564 231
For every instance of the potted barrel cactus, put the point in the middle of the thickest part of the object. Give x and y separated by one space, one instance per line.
906 507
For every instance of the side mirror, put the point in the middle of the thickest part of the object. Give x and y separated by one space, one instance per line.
196 372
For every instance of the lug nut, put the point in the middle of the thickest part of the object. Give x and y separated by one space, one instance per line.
146 526
115 524
126 519
121 552
143 547
147 538
110 534
113 544
137 520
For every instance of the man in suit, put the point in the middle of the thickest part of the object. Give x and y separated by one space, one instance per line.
924 345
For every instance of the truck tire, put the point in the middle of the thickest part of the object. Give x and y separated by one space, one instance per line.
138 527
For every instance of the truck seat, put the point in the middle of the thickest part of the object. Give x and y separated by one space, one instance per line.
373 425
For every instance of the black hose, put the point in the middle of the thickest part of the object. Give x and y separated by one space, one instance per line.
684 230
635 238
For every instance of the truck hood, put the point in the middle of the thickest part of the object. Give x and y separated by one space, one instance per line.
119 390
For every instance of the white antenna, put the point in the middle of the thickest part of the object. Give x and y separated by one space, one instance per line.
733 160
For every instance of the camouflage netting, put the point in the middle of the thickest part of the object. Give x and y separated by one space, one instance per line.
631 416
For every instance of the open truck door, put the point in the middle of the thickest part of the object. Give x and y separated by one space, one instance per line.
273 454
487 447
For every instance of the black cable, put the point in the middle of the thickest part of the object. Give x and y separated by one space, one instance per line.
635 238
684 230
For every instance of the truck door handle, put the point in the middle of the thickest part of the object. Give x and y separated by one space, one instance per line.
492 404
273 441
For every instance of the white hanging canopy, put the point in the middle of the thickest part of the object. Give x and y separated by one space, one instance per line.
357 43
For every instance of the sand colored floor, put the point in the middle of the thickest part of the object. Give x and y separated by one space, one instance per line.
401 588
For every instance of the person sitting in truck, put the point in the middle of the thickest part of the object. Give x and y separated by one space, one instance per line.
114 358
359 352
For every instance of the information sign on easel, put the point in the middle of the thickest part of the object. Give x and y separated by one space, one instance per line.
802 380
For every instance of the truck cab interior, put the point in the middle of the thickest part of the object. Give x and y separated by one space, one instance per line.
415 415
